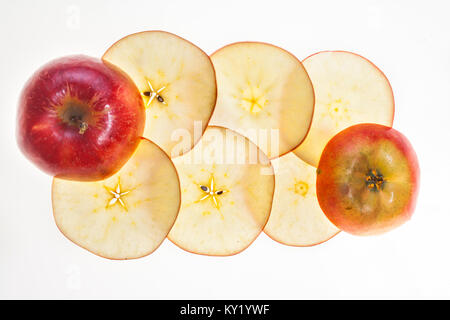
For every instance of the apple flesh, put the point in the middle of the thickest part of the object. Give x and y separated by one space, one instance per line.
349 90
227 187
265 94
79 118
296 218
368 179
126 216
177 83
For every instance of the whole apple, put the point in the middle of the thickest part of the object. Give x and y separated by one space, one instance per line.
79 118
368 179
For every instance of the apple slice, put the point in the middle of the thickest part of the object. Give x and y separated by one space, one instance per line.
349 90
296 218
264 94
227 186
126 216
177 82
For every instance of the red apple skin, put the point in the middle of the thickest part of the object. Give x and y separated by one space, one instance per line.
357 199
79 118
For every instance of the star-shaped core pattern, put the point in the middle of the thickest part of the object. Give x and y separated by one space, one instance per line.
152 94
212 193
117 196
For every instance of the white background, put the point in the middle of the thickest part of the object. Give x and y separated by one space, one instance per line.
408 40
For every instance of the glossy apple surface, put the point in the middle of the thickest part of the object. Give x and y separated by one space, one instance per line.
79 118
368 179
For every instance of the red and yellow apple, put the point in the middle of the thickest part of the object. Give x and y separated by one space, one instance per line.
368 179
79 118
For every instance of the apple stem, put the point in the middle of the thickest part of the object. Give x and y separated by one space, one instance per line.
83 127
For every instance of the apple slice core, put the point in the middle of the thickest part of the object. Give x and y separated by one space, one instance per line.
126 216
265 94
349 90
177 83
227 187
296 218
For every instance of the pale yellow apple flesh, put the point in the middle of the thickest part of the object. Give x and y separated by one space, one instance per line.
296 218
349 90
177 83
227 186
125 216
265 94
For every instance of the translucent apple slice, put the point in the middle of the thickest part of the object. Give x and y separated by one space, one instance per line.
227 186
177 82
126 216
349 90
296 218
265 94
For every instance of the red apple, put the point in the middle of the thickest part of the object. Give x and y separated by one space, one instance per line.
368 179
79 118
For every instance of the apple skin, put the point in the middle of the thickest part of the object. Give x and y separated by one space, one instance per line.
368 179
79 118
